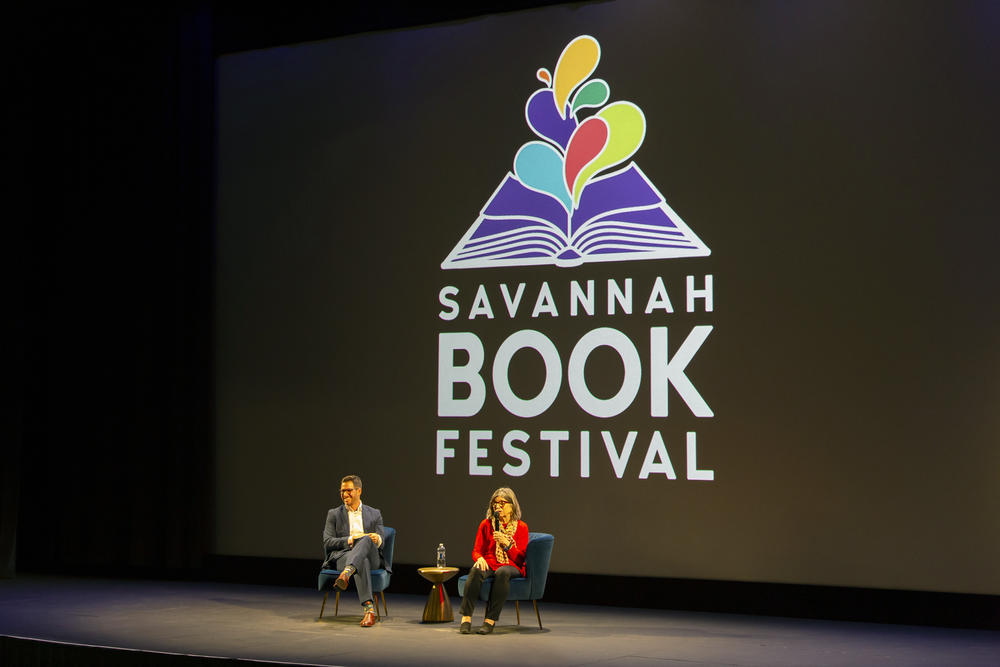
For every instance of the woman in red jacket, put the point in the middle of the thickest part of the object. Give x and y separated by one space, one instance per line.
499 554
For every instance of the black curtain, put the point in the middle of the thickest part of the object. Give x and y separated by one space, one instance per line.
108 461
112 439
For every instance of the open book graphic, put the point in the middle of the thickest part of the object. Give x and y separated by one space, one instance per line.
620 217
561 205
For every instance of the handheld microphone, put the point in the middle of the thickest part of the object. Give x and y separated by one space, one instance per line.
496 523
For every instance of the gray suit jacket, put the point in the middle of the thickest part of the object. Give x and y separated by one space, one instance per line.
338 529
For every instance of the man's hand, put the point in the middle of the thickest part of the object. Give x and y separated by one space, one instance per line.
374 537
481 564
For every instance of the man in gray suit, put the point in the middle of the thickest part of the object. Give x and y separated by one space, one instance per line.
353 540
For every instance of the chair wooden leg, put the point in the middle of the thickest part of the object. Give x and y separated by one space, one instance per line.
517 608
385 606
535 602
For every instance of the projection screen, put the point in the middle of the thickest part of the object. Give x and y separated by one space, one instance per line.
711 282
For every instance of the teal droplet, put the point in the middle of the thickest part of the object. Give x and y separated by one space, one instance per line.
540 166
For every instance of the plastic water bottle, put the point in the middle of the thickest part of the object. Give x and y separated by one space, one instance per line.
441 561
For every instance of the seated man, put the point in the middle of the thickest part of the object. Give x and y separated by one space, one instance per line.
353 541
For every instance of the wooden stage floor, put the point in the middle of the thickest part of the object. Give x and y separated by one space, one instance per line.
279 625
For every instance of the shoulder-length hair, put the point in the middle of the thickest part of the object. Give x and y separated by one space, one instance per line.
507 494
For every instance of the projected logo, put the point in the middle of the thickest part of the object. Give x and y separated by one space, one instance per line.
565 203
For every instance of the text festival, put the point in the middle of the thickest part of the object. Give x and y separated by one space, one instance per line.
664 371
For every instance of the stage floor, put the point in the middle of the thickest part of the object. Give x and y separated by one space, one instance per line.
280 624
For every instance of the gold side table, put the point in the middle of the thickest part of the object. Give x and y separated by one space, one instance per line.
438 607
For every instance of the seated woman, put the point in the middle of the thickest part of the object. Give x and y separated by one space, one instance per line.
499 554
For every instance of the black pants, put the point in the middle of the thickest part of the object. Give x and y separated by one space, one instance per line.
498 593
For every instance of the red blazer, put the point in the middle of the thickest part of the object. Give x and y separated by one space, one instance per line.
485 547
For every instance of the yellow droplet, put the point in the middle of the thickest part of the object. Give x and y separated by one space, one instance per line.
577 62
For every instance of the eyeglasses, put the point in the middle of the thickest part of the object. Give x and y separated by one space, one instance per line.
501 501
347 491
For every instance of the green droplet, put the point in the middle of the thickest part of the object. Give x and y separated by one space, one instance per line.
592 94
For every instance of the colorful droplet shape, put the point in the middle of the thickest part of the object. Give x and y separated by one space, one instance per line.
545 121
591 94
539 166
577 62
587 143
626 130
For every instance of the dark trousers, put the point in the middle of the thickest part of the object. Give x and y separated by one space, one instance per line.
365 558
498 593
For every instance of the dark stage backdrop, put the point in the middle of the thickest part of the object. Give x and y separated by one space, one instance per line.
798 385
108 465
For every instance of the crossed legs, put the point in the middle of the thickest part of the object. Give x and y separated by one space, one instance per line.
363 557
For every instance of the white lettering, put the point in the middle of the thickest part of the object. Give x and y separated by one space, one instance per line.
657 450
582 298
621 344
516 453
705 293
476 452
658 298
512 304
657 460
577 296
665 371
449 375
554 438
481 305
443 452
623 299
692 461
619 461
444 298
545 302
534 340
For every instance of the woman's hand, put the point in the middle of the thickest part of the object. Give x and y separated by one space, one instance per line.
481 564
501 538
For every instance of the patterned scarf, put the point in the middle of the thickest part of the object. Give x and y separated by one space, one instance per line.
508 530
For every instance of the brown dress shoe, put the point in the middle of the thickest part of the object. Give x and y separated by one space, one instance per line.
369 619
343 580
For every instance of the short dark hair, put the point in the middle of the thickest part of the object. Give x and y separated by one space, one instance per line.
354 479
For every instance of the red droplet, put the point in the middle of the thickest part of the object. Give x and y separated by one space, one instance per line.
586 144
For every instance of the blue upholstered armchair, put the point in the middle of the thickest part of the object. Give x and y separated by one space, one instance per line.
380 577
530 587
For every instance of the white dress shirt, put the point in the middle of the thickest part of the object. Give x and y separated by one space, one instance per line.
358 525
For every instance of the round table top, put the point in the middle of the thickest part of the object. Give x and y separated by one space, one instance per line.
437 574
